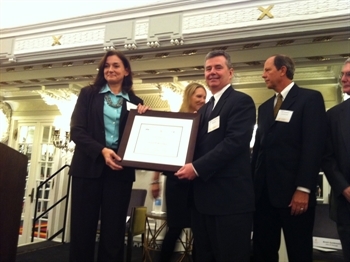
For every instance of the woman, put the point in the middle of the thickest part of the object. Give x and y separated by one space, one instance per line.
101 188
178 213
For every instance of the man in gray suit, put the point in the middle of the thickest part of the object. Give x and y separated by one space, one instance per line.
222 188
336 163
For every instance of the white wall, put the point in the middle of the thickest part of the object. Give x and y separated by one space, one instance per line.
143 180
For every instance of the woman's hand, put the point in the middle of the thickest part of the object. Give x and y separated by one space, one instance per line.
142 108
111 159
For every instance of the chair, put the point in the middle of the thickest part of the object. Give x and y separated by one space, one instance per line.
137 199
137 226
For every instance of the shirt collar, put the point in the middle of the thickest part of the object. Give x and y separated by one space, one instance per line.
107 89
286 90
219 94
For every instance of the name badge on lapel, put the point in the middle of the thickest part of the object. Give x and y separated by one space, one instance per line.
284 116
130 106
214 124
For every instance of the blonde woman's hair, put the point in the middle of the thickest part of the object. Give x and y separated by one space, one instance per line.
186 99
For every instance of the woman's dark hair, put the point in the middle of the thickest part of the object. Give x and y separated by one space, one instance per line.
100 80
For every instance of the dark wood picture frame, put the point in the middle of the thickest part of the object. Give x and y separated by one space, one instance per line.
153 165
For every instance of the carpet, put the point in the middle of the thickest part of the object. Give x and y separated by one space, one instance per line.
50 251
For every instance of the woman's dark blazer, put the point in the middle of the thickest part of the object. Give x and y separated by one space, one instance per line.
88 133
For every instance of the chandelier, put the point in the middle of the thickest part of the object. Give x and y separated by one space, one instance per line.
172 93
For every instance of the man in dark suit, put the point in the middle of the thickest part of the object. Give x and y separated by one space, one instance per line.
222 188
336 163
286 161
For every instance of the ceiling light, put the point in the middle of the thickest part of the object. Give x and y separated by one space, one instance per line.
152 72
249 46
88 76
153 44
177 41
220 48
51 79
106 48
175 70
318 58
284 42
69 78
12 59
189 52
322 39
131 46
47 65
162 55
88 62
65 64
135 57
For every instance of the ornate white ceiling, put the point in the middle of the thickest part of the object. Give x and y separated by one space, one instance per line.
66 53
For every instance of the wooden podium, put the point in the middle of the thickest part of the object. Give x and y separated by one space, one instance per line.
13 171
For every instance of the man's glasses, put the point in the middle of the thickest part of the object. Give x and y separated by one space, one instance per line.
346 74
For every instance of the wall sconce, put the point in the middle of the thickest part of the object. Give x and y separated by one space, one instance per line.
60 139
131 46
61 135
153 44
176 41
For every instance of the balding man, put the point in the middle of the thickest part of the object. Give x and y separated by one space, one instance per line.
336 162
286 161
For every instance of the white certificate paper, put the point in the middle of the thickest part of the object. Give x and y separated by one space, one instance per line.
159 141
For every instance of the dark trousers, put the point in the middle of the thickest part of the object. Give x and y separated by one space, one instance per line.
222 238
169 242
108 198
297 230
343 225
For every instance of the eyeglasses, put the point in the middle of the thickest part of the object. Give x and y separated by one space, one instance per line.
346 74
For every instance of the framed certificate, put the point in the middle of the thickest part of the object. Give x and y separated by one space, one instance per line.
157 140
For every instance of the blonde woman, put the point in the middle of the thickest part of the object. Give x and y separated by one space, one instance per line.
178 212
